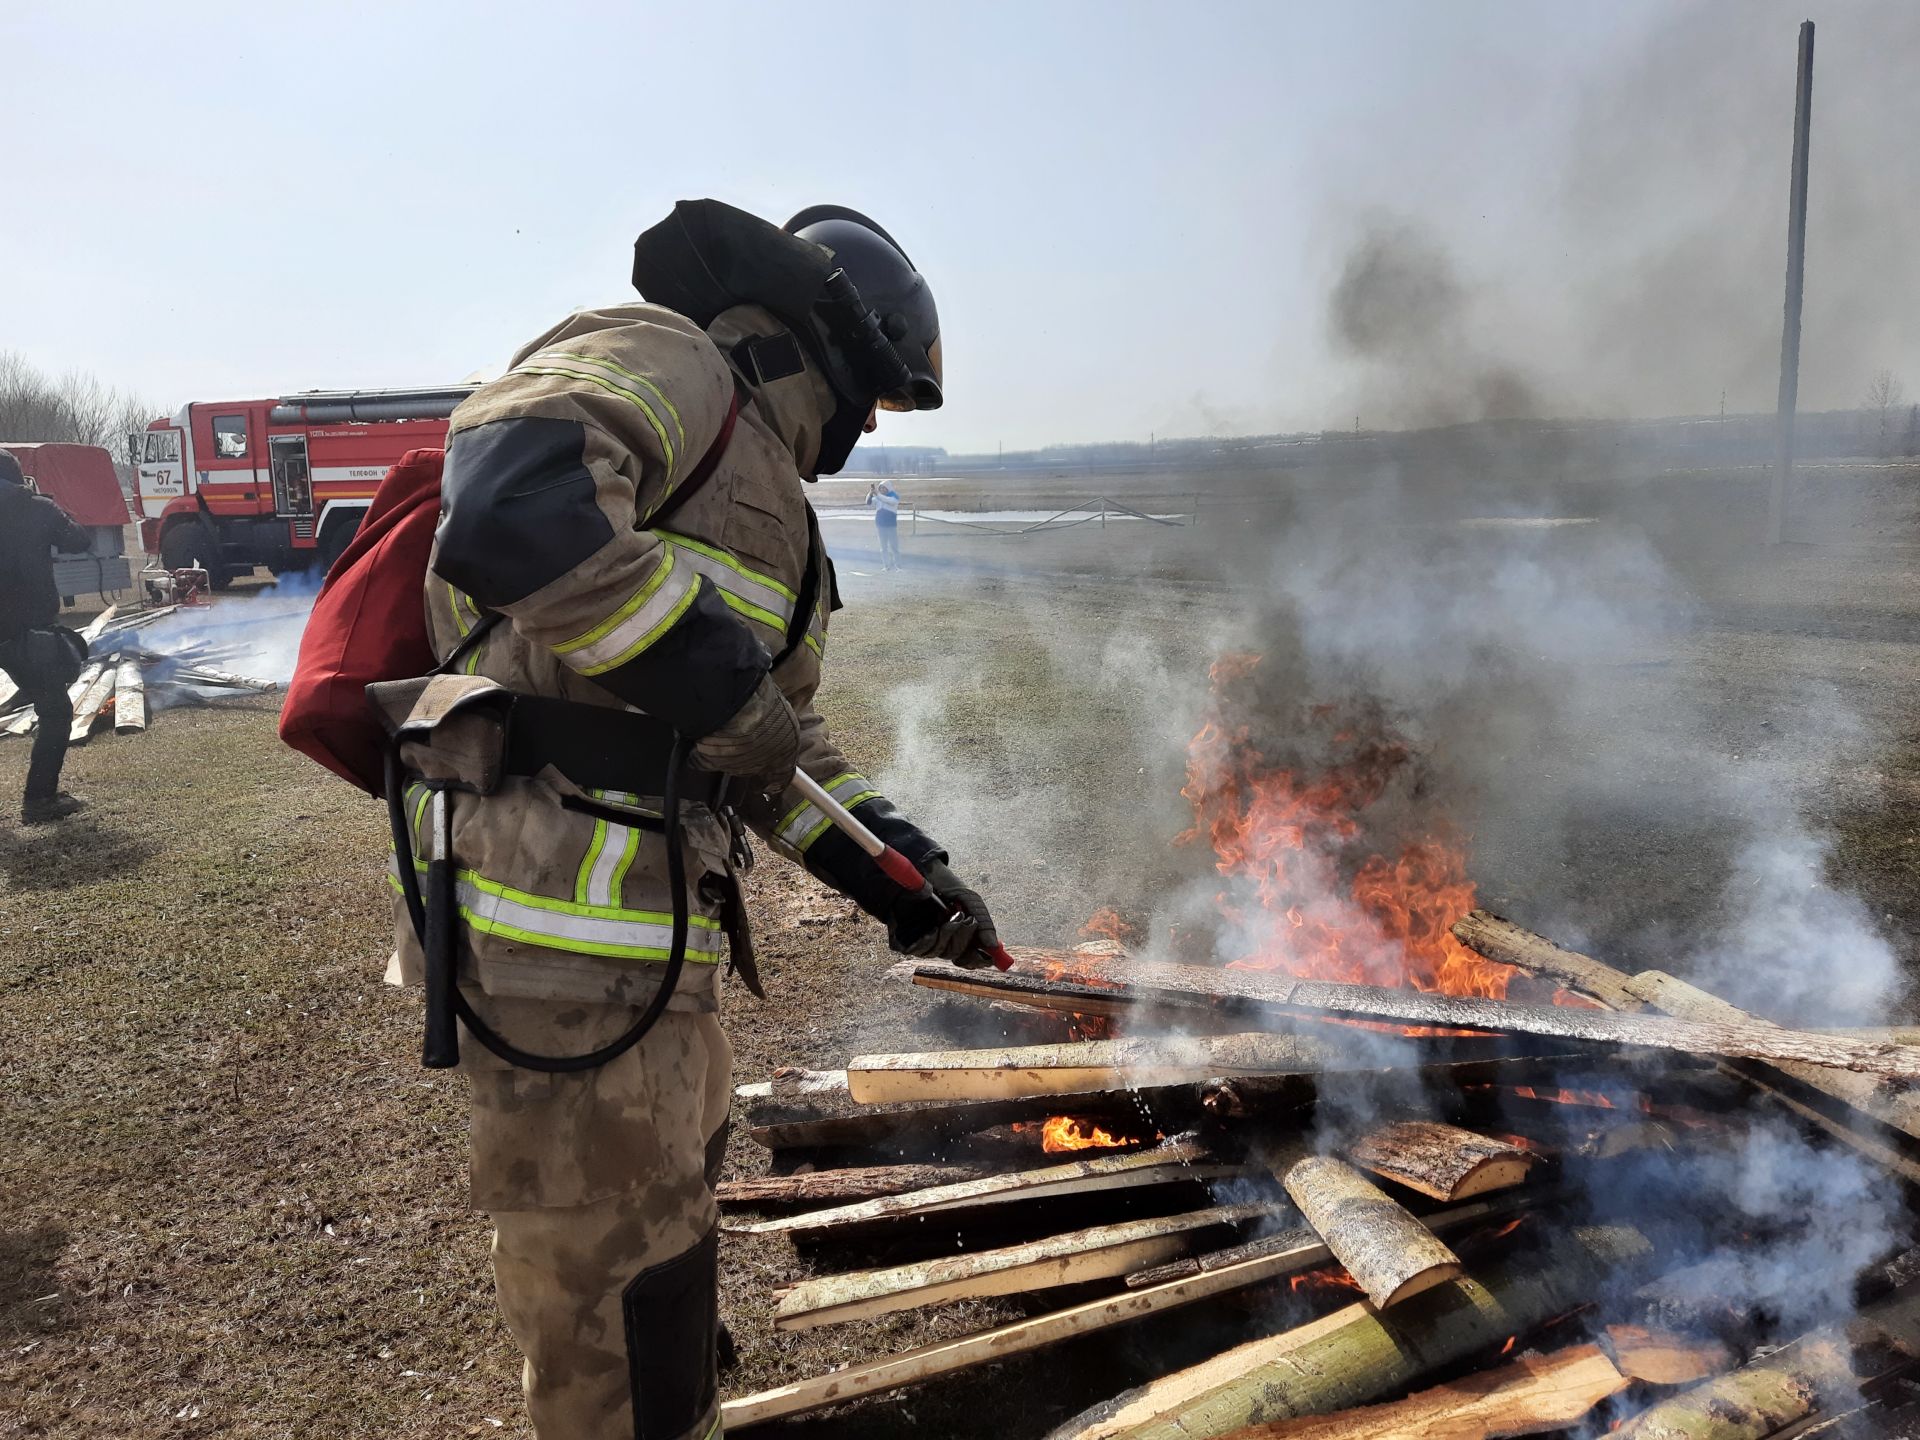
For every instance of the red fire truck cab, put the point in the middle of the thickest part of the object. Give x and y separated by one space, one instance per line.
282 483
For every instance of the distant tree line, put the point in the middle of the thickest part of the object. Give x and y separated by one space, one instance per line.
75 407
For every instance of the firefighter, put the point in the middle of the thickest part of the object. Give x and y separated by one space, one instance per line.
40 657
713 623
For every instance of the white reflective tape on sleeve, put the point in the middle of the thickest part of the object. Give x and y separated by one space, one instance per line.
647 615
804 824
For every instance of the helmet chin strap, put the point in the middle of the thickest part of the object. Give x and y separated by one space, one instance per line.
840 434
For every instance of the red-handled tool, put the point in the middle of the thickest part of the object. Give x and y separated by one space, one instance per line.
902 871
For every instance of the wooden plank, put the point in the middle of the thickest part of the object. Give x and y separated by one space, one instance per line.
1891 1105
839 1187
1871 1098
1503 941
87 709
816 1108
1360 1352
1181 1151
129 700
1268 989
1439 1160
1013 1072
1099 1252
1390 1255
946 1357
1527 1396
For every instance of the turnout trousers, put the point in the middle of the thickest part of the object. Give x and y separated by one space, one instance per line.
600 1188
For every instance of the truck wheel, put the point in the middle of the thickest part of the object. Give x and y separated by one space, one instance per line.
192 543
333 545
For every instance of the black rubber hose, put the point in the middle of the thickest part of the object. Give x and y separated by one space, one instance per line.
676 957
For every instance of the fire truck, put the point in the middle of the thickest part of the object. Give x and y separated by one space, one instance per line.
228 485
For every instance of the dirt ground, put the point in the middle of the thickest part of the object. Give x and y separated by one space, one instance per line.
232 1204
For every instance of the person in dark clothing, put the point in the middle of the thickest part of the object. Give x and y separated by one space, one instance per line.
39 657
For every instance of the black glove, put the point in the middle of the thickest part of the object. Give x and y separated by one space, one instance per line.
954 925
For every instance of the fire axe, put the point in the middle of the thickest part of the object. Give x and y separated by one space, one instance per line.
902 871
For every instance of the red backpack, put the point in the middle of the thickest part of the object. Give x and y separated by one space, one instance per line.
370 621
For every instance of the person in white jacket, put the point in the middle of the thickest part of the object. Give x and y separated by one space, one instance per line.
885 502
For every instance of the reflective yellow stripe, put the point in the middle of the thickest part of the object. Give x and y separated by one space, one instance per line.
804 824
648 614
605 930
700 547
632 397
658 393
453 603
583 882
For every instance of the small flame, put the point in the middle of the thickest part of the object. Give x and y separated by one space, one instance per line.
1569 1097
1062 1133
1106 923
1331 1277
1507 1349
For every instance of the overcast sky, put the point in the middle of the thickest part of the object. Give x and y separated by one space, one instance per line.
1132 215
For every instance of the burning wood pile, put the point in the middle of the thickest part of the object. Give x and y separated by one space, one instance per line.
1401 1186
1382 1164
123 675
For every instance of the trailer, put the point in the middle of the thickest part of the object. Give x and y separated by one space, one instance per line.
80 479
283 482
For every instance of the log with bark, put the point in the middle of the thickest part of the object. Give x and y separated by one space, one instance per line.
1273 993
1501 940
1389 1254
129 700
947 1357
1359 1353
838 1187
1100 1252
1664 1358
1173 1159
1532 1394
1442 1161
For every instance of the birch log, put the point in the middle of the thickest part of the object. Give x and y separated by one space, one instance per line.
1389 1254
87 709
24 722
129 700
1530 1395
1440 1160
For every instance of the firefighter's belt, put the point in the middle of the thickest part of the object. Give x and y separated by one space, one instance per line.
599 748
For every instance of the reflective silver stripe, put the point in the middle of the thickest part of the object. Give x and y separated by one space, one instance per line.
614 842
567 367
582 933
804 823
748 594
438 809
646 616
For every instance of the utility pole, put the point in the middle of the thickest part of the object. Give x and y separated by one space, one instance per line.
1796 277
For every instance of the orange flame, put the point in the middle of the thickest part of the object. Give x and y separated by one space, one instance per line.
1062 1133
1106 923
1289 840
1507 1349
1331 1277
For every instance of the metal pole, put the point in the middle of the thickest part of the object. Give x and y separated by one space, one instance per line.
1796 276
